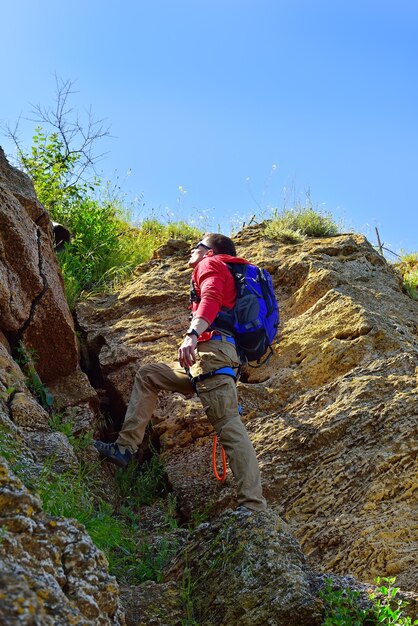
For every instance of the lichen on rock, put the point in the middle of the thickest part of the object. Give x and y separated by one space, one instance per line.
51 572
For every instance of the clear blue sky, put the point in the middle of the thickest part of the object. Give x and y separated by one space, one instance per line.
235 100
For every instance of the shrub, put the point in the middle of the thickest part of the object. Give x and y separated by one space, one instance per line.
409 270
105 246
294 225
343 607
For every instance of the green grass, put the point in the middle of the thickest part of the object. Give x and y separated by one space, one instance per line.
139 485
10 449
115 531
73 494
187 589
295 225
107 254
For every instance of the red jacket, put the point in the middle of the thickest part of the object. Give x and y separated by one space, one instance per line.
215 288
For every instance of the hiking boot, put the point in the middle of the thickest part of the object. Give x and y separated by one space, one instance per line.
243 510
119 455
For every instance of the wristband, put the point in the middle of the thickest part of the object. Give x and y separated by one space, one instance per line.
192 331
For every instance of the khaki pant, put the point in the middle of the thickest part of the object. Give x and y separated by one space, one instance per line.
219 398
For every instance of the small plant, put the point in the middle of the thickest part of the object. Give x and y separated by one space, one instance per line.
38 388
387 608
287 235
170 521
408 267
342 606
26 359
58 424
67 494
9 447
141 485
5 395
135 563
201 516
294 225
187 597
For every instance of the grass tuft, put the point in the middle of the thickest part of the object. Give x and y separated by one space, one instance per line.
294 225
408 267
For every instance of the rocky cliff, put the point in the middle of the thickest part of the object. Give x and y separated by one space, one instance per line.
333 417
50 571
33 309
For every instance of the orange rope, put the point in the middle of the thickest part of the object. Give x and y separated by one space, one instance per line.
215 471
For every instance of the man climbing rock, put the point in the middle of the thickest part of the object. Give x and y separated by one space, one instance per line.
209 363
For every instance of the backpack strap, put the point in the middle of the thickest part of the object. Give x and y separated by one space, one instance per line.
193 295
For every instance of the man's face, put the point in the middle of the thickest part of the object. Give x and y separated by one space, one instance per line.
198 252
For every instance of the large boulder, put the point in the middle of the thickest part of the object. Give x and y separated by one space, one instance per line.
33 308
249 571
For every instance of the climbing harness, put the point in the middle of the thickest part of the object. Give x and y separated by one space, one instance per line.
226 371
221 477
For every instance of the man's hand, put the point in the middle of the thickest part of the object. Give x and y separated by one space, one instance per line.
187 351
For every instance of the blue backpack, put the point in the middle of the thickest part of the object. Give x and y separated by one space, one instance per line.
255 318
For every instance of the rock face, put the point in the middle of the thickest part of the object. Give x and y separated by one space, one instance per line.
50 571
32 302
33 309
333 416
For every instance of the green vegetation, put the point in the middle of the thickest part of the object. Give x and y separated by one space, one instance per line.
5 395
295 225
132 559
66 426
408 268
26 359
387 608
141 485
10 448
105 246
114 529
187 587
343 606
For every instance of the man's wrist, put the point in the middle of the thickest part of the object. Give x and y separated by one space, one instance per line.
191 332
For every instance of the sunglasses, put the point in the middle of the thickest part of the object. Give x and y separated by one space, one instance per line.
202 245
